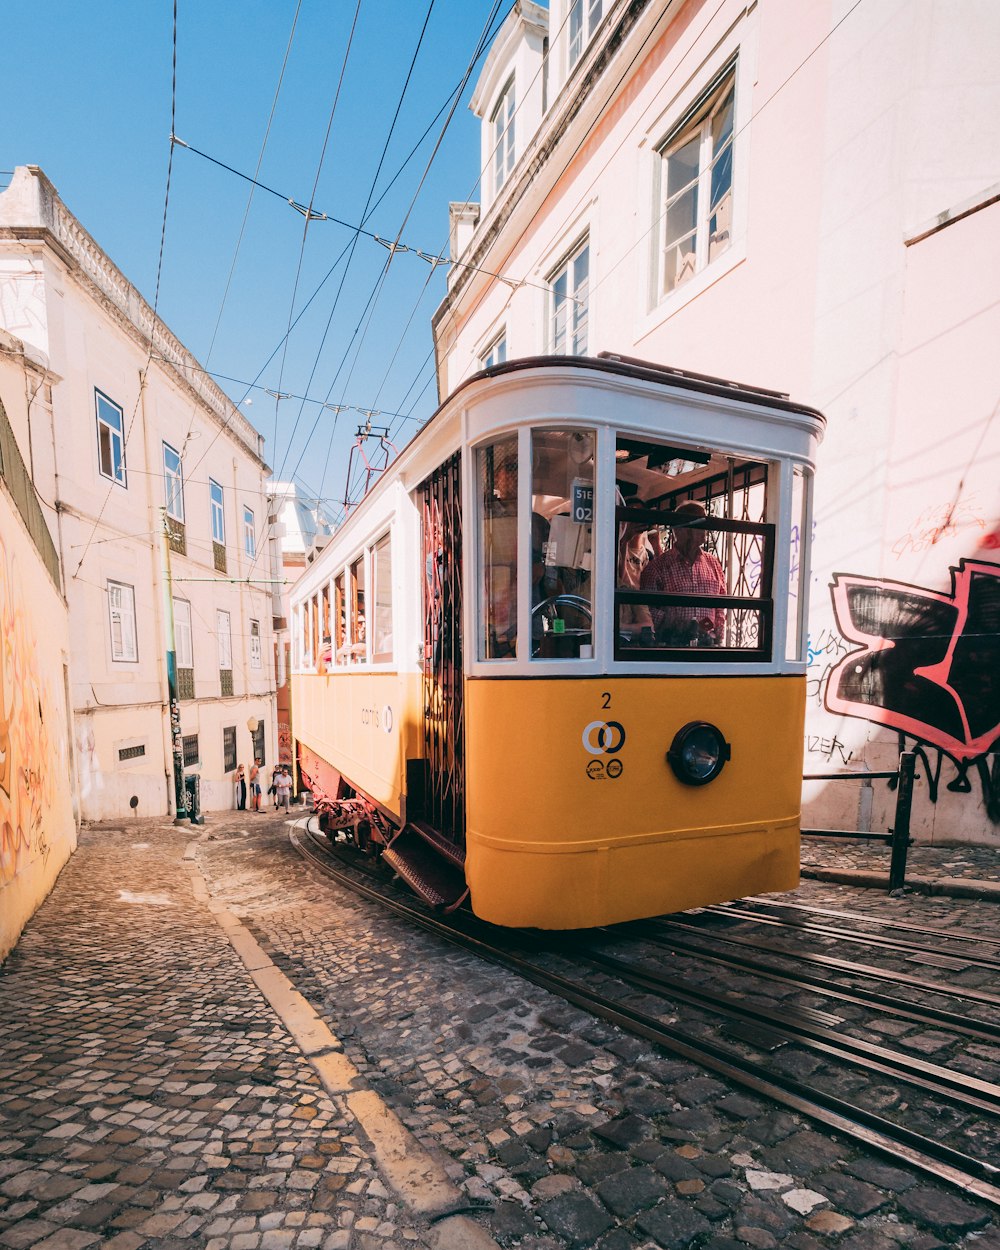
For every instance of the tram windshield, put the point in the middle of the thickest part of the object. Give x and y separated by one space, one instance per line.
562 518
695 554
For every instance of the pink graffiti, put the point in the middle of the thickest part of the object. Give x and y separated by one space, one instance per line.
928 661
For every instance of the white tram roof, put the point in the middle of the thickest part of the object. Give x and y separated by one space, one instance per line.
776 416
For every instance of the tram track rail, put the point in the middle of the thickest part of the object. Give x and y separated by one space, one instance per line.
811 1028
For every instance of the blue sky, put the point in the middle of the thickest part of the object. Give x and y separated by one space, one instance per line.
91 106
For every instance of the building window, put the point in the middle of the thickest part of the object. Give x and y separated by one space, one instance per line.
249 534
131 753
570 299
110 439
173 483
229 749
121 609
382 597
255 652
218 526
696 182
223 632
258 744
190 745
584 19
496 353
183 649
502 134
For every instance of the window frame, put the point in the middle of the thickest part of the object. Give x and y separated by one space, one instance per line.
256 645
498 345
119 474
249 533
590 12
182 619
384 541
229 751
503 136
218 511
187 750
697 123
123 615
224 636
173 484
567 266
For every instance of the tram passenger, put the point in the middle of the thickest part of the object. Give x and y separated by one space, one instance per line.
685 568
635 622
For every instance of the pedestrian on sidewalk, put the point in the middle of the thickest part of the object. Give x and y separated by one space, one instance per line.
283 781
240 781
255 786
272 789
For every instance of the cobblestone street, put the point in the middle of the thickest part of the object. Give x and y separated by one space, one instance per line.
150 1094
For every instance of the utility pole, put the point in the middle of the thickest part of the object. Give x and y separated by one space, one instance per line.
180 793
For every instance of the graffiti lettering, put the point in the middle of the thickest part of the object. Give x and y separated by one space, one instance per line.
32 751
827 748
928 666
937 522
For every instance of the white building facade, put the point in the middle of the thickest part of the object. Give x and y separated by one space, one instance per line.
153 486
804 197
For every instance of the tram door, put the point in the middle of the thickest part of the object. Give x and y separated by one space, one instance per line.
443 710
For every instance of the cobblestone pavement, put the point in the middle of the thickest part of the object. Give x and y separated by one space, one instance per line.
944 869
149 1095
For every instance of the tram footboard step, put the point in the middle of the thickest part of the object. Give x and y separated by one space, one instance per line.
425 869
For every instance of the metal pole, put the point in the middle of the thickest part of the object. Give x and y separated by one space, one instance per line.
180 793
901 824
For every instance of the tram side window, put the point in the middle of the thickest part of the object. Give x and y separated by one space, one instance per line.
382 596
497 476
359 645
325 646
695 554
339 621
562 516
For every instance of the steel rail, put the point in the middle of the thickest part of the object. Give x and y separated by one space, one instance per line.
921 1073
909 926
831 961
980 1029
970 1175
850 935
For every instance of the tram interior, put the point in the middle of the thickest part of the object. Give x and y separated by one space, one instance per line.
651 478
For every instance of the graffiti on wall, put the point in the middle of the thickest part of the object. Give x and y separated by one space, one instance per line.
926 664
32 740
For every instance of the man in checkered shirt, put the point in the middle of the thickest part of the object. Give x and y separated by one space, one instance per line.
686 568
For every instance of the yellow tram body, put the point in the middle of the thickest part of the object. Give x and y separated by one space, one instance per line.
639 843
483 698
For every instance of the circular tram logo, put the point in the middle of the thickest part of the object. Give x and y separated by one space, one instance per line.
604 737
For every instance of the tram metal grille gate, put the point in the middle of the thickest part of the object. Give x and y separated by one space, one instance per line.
442 687
740 494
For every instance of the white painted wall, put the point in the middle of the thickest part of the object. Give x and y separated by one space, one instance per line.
858 129
92 328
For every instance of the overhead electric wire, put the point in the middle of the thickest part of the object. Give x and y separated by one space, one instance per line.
159 272
309 209
373 298
253 186
359 230
326 277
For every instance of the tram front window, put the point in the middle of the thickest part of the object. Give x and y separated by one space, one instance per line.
695 553
498 495
562 515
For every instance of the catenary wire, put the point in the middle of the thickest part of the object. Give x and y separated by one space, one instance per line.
260 159
159 272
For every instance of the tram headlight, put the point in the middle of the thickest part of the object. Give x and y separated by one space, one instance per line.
698 753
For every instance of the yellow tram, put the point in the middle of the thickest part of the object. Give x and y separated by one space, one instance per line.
554 663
